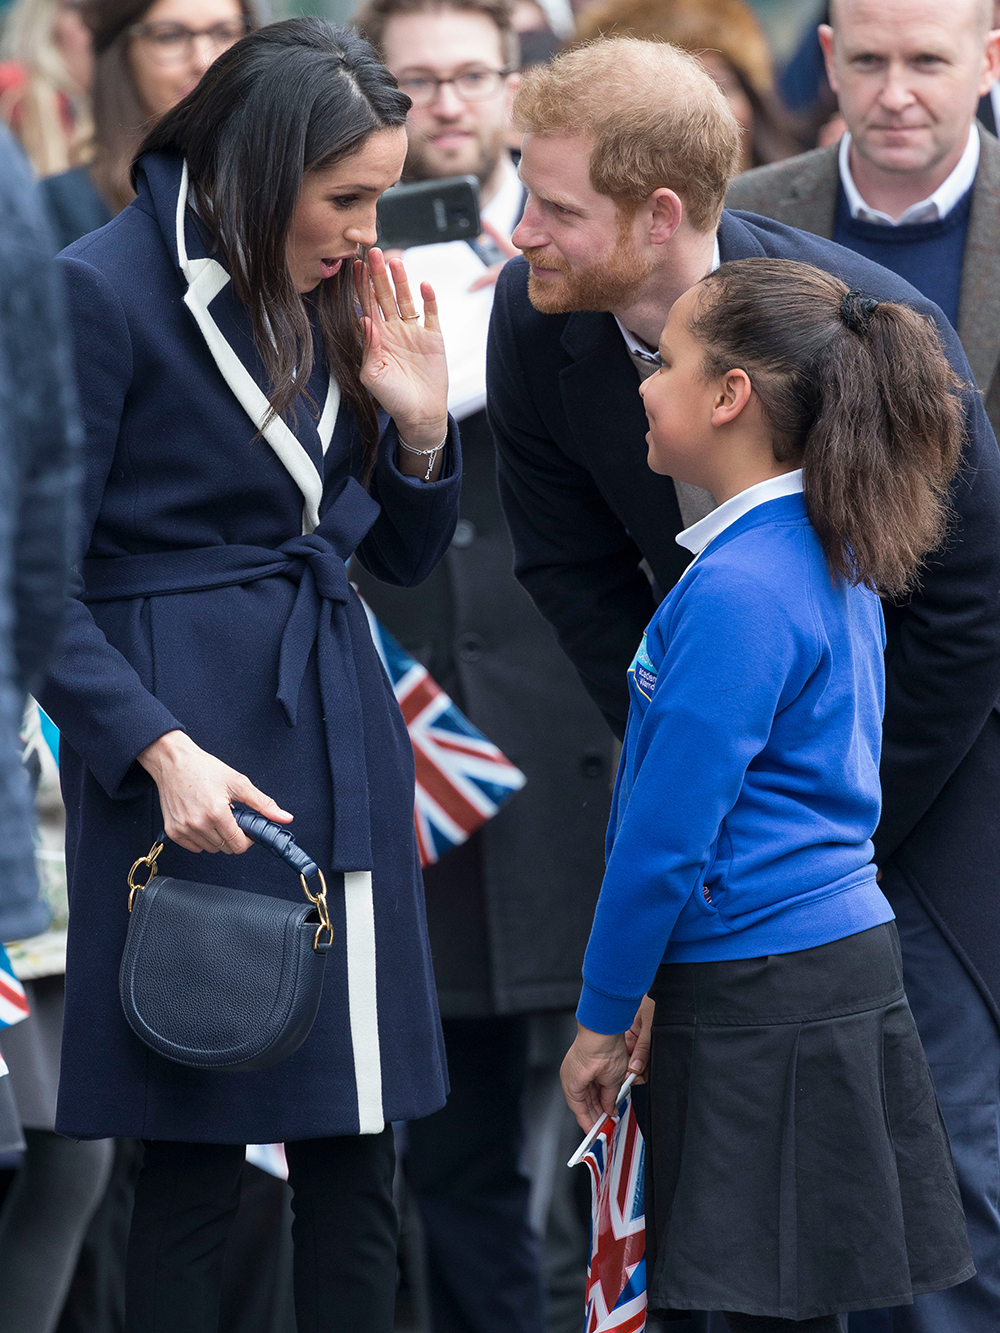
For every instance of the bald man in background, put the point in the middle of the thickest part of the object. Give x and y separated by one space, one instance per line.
915 185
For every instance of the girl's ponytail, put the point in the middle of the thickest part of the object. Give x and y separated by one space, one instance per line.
860 393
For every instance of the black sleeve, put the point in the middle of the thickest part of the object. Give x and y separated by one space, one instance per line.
40 423
572 554
943 655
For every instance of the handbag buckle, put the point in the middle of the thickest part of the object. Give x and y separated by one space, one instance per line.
318 900
148 860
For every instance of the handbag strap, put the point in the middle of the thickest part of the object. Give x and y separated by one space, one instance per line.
276 839
272 836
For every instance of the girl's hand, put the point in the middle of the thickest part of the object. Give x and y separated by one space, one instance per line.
195 794
592 1074
404 364
637 1039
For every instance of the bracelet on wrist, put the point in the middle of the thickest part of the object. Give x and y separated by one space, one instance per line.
429 454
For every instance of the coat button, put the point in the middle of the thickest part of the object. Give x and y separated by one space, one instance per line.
592 765
470 647
465 533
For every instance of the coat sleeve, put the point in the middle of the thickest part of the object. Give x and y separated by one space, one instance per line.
42 427
943 657
418 518
572 553
705 723
93 694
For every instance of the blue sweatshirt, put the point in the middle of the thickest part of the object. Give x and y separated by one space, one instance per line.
748 788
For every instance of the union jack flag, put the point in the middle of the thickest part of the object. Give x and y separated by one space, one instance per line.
614 1153
13 1001
462 778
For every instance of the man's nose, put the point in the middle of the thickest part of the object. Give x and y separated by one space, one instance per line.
896 94
529 234
448 104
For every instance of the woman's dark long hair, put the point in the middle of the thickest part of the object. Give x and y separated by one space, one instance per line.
294 97
120 118
860 393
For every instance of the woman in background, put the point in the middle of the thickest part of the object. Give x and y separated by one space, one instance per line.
727 38
45 82
147 57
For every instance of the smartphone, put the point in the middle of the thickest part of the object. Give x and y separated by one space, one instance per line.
428 212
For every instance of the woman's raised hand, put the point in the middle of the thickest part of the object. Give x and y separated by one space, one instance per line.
404 364
196 791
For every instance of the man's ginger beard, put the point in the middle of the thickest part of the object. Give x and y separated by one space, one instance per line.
610 285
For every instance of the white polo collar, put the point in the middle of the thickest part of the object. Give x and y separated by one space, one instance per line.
936 206
698 535
639 349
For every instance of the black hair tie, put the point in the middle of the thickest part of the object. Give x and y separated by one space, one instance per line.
856 310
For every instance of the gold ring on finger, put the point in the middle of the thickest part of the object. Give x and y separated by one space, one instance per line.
409 316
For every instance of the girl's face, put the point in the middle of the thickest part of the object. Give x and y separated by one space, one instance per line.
335 211
176 42
680 401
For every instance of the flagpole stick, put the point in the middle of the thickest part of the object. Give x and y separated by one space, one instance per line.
595 1129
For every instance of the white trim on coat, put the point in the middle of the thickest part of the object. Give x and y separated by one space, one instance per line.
206 278
362 998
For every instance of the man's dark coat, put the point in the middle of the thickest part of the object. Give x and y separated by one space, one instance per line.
509 914
802 192
584 509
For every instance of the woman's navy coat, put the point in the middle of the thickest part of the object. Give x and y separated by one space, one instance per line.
202 605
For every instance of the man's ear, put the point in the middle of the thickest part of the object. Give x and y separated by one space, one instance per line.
513 83
666 212
991 66
734 393
826 42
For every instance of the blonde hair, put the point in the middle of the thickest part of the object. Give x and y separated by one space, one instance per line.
36 111
656 118
728 27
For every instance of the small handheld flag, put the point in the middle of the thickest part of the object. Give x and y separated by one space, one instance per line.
462 778
614 1153
13 1001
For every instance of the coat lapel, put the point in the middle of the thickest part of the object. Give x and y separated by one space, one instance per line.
801 192
979 300
812 195
206 280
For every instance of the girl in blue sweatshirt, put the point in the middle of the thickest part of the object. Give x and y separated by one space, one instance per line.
796 1162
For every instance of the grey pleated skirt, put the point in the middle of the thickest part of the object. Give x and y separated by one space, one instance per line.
797 1162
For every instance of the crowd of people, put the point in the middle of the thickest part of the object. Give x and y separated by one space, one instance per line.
681 481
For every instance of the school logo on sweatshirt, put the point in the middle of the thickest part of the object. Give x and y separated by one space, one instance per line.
642 671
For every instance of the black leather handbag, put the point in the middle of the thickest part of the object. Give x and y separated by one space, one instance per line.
224 978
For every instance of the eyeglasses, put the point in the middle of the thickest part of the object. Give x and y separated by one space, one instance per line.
173 43
471 85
